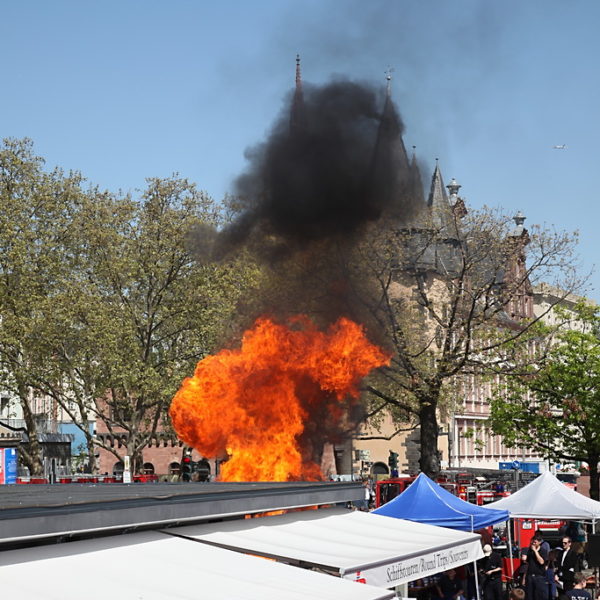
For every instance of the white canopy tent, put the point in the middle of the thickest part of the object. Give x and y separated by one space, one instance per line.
546 497
156 566
382 551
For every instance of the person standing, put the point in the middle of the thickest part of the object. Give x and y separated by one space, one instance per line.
537 559
551 571
544 544
520 574
449 587
491 571
567 563
363 504
578 592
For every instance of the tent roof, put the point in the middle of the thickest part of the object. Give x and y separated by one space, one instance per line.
546 497
425 501
386 552
155 566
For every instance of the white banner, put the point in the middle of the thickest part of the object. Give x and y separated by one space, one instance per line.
423 565
127 470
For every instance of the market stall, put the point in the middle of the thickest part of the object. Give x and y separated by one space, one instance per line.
374 549
546 497
424 501
156 566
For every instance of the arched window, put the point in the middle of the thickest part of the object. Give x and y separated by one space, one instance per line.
174 468
148 469
380 468
118 468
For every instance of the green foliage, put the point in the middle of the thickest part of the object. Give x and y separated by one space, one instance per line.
554 408
35 228
107 302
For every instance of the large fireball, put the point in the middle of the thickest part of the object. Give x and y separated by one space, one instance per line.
256 404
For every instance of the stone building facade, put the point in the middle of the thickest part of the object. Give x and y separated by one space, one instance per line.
464 439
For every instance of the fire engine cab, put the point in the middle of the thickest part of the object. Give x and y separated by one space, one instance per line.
388 489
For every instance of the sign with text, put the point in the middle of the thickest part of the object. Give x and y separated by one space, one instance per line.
423 565
8 465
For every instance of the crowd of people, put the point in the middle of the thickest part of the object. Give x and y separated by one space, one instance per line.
551 574
544 573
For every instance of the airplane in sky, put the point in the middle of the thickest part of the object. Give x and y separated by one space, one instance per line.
561 147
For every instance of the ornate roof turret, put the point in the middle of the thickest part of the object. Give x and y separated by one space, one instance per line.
441 215
453 188
456 202
519 233
434 243
437 193
519 219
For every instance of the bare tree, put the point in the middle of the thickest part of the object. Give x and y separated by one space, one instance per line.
452 294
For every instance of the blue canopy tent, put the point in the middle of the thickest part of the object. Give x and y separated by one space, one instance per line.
425 501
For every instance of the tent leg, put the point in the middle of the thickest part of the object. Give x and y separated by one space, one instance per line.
476 580
511 571
475 566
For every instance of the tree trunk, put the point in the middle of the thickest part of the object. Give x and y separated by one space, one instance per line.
31 453
594 477
430 458
135 455
91 449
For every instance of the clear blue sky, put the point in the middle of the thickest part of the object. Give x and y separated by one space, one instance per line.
129 89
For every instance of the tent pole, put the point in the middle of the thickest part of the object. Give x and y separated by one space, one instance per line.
475 569
511 570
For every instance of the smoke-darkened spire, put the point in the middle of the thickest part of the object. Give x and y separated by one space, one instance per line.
388 76
416 183
298 75
392 127
298 113
390 173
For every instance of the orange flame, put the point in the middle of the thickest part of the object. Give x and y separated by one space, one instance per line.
260 404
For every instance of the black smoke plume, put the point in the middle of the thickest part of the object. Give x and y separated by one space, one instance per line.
334 161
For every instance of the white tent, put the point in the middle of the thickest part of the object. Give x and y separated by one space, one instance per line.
382 551
156 566
546 497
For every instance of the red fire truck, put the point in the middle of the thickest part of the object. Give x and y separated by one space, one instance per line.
474 488
388 489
